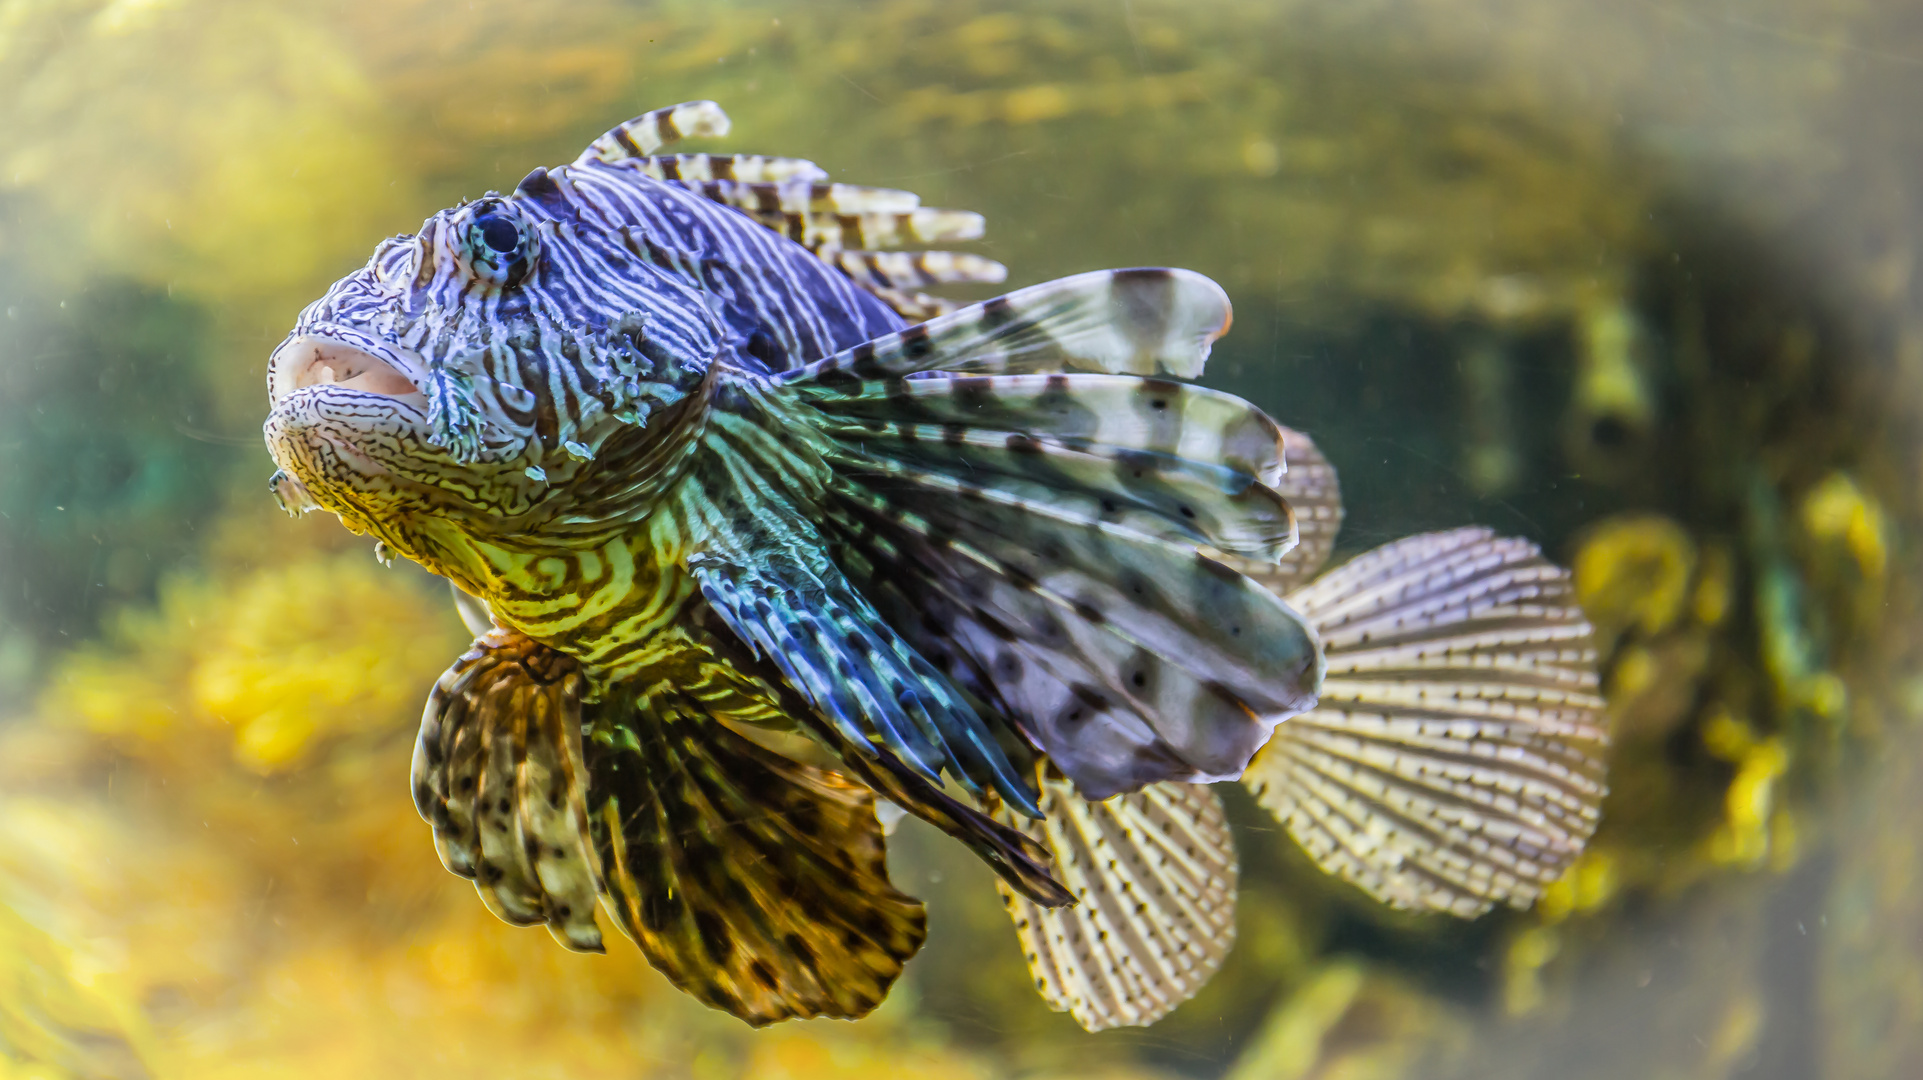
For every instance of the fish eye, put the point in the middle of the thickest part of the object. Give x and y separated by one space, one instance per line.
498 233
499 246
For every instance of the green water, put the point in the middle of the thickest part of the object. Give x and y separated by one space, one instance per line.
1637 283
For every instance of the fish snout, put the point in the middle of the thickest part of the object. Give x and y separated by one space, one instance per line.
315 360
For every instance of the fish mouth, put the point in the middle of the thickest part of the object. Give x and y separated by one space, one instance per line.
308 360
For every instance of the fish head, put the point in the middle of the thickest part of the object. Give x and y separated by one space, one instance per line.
469 377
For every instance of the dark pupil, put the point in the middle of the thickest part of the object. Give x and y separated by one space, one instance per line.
499 234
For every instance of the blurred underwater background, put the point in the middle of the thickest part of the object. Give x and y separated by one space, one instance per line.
1637 282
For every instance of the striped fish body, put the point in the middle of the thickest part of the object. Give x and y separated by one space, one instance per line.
746 552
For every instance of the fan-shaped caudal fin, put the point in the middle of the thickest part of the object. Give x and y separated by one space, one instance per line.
498 772
1153 874
1455 759
1137 322
649 132
753 882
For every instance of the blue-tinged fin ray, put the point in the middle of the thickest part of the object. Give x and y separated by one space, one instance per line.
1039 538
1455 759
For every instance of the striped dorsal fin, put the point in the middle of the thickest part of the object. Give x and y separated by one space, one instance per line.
691 169
1154 877
1455 759
645 134
794 198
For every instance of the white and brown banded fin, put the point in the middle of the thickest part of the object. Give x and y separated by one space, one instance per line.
648 133
1455 760
1154 877
1138 322
910 304
498 772
745 168
878 229
915 269
1310 486
1169 460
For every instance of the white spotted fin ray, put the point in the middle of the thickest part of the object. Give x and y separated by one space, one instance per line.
1153 873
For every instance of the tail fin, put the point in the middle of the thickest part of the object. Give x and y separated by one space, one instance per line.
1153 874
1455 758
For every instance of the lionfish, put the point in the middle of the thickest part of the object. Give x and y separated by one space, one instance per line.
765 546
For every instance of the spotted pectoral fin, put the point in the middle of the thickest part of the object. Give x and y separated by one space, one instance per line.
755 883
1138 322
498 772
1153 874
1455 759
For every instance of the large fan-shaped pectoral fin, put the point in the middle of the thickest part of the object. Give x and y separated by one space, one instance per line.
498 773
755 883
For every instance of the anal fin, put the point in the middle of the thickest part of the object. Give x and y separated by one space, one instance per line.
1153 873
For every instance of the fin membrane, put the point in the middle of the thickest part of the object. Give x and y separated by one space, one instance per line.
755 883
1455 759
1037 538
1154 876
498 772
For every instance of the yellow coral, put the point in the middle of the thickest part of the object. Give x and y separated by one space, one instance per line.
1634 571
